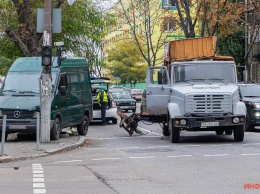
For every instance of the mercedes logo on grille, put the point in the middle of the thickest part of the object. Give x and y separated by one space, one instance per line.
17 114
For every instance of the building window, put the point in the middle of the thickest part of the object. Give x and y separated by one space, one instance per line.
169 24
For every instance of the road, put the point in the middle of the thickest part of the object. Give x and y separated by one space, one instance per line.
114 162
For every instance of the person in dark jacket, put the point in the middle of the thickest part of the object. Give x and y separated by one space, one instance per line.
103 101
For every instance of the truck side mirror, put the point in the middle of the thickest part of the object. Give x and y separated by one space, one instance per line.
63 90
245 77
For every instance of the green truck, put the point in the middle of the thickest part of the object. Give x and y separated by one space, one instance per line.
71 98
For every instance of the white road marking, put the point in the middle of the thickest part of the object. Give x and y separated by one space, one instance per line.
38 171
38 179
38 185
216 155
140 157
188 146
254 154
177 156
149 131
39 190
130 137
68 161
126 148
158 146
221 145
246 144
106 159
38 175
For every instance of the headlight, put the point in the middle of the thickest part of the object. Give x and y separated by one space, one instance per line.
257 114
256 104
235 120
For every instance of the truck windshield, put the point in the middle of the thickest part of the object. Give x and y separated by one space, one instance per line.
23 82
209 73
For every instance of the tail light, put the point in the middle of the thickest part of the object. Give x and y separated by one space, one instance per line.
113 104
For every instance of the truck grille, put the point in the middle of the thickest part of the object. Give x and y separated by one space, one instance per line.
22 114
208 103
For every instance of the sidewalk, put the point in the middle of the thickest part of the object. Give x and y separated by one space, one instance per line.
24 146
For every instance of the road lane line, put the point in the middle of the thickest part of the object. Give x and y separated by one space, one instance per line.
221 145
144 157
68 161
188 146
213 155
179 156
38 171
38 180
130 137
254 154
96 159
126 148
149 131
158 146
246 144
38 176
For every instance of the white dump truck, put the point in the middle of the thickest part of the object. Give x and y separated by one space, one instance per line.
194 90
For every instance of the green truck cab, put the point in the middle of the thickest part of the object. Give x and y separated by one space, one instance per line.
71 98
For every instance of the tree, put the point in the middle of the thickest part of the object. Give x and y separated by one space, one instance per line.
126 61
82 25
142 19
209 17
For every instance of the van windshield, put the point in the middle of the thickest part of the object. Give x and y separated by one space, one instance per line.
27 82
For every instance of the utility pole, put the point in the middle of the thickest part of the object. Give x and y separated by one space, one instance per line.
46 72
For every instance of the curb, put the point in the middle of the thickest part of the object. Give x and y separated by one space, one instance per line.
82 140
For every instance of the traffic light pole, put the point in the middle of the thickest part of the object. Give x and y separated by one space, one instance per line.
46 76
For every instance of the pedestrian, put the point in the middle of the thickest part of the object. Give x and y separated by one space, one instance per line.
102 101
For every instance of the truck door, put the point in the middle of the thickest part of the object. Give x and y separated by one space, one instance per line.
157 90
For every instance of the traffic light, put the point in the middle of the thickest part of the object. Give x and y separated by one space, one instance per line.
59 53
46 55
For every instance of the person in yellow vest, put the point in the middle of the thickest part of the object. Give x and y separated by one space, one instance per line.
103 101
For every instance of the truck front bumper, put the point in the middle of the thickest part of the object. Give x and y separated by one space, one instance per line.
208 123
21 125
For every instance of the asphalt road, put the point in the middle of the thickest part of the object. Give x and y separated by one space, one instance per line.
114 162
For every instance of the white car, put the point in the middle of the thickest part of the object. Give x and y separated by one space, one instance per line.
111 112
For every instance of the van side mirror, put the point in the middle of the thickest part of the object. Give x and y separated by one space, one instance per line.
245 77
63 90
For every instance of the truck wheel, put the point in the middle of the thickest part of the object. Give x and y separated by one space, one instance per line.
219 131
82 128
228 131
166 131
174 133
55 130
249 126
239 133
114 121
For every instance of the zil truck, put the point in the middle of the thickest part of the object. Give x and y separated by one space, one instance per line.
194 90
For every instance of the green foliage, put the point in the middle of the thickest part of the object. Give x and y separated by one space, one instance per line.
82 28
126 61
232 45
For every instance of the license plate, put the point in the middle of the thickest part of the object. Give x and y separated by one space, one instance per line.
16 126
124 107
209 124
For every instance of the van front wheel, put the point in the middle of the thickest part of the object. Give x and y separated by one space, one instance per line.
55 130
82 128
